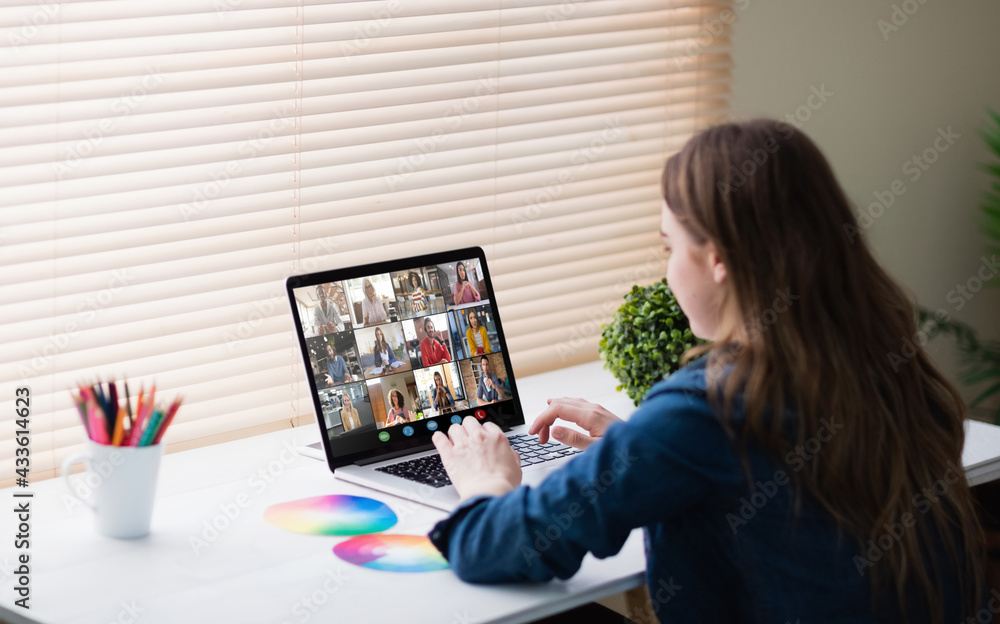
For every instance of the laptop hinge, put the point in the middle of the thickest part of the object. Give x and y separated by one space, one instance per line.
393 455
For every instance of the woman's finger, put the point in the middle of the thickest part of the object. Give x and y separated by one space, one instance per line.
473 428
586 417
493 429
571 400
572 438
458 434
444 446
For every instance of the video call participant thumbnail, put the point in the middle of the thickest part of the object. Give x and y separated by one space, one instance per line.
479 341
440 393
465 291
349 416
326 314
336 366
388 407
490 389
383 349
417 294
434 346
398 413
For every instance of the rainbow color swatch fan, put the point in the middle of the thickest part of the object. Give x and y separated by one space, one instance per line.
334 514
392 553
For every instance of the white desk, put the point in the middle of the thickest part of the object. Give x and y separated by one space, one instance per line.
254 572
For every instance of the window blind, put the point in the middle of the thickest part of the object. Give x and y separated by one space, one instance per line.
164 166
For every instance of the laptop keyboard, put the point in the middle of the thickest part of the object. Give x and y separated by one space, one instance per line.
429 470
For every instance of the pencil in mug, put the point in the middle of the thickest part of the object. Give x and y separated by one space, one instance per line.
119 431
142 413
166 419
111 414
81 408
128 407
106 421
150 420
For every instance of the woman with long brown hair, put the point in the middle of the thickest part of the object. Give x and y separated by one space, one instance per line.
800 468
397 414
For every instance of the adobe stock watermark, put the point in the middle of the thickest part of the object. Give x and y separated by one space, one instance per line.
958 296
581 334
923 501
222 177
815 101
123 106
371 29
754 328
560 522
987 614
710 32
59 341
246 326
89 480
7 569
797 459
581 158
565 10
661 594
755 159
899 17
913 169
453 118
47 13
309 604
223 7
963 293
231 511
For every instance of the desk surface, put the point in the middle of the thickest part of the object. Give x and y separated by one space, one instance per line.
249 571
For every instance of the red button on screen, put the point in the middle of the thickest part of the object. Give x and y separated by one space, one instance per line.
480 414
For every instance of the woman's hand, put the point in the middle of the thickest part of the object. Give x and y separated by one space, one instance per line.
591 416
478 458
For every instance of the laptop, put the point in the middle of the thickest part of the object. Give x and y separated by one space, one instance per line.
397 350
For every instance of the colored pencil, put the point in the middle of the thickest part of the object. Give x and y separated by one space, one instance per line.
112 409
116 437
128 406
81 408
166 420
154 423
107 421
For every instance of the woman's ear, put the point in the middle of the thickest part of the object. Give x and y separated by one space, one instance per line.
719 272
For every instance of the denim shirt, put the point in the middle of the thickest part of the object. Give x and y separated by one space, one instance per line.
716 550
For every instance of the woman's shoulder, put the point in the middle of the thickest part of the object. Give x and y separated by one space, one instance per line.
688 381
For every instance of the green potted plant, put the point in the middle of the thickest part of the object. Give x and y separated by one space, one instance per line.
980 358
645 339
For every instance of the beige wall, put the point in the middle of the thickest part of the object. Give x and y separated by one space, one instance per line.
890 95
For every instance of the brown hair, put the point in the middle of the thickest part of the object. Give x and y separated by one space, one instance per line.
392 398
766 197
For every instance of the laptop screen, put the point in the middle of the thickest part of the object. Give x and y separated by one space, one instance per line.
395 351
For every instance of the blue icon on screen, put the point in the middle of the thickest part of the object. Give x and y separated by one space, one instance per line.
407 430
456 419
432 425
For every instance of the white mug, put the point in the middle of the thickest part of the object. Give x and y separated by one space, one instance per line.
121 483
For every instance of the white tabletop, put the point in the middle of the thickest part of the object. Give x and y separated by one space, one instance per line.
250 571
